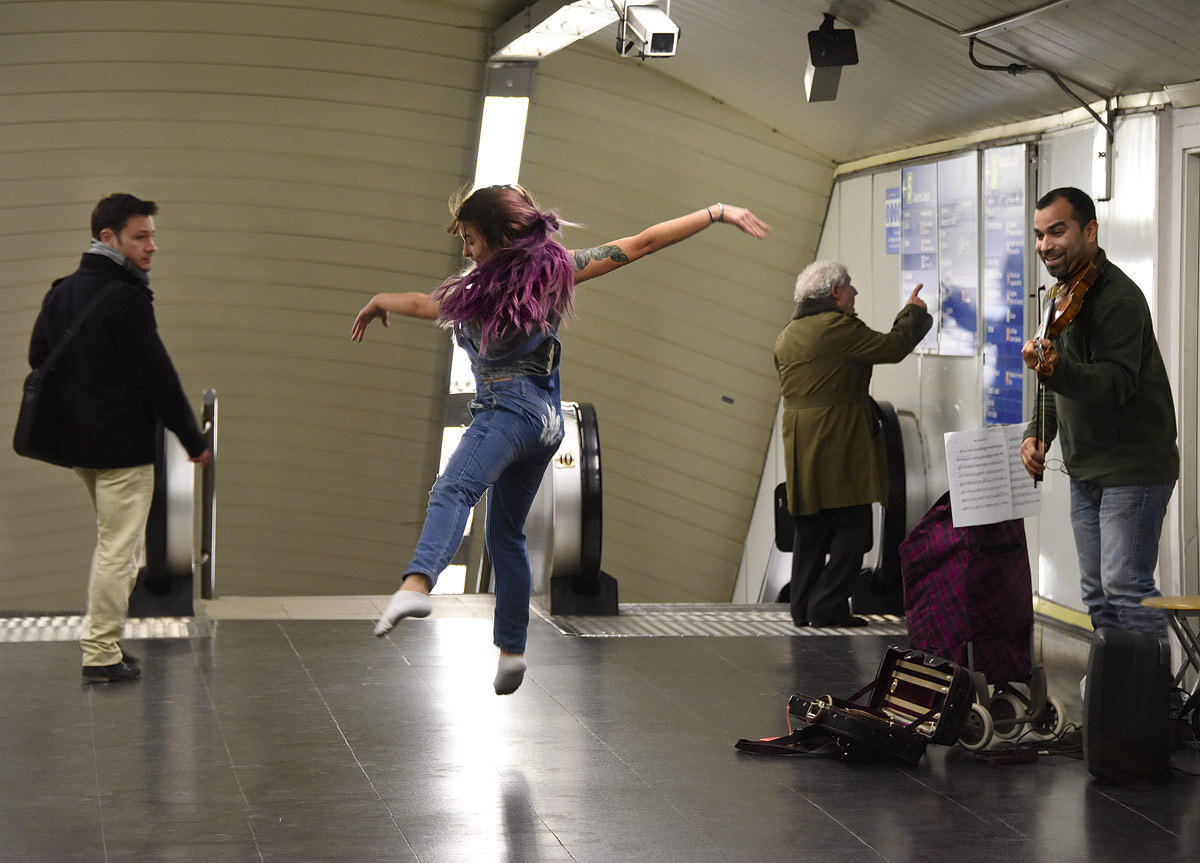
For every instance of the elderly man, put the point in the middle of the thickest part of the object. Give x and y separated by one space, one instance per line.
833 444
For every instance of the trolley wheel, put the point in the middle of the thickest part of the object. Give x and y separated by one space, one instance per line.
978 727
1007 710
1054 718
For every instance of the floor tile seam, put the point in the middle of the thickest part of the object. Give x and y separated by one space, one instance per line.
698 827
349 747
1097 789
546 826
246 810
96 772
591 732
943 796
844 826
634 771
404 656
629 767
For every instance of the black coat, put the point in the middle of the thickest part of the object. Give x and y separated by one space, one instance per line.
116 375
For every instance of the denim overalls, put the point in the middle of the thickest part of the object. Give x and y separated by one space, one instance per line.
515 430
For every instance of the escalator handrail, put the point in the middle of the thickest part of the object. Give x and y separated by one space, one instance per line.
587 581
208 499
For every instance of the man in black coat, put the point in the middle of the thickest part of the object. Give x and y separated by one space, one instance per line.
116 380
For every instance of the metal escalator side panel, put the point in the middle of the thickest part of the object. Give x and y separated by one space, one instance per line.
564 472
179 498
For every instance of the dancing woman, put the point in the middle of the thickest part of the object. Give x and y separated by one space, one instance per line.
505 311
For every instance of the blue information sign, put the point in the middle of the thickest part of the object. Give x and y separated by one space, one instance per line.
891 220
958 254
919 241
1004 241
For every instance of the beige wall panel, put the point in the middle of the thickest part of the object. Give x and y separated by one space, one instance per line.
615 146
302 158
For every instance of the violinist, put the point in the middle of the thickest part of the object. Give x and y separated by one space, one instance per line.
1108 400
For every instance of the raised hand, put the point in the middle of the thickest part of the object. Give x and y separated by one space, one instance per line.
745 221
369 312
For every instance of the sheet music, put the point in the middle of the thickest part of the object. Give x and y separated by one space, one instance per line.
988 482
1026 496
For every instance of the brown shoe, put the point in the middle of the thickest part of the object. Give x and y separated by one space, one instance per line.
118 672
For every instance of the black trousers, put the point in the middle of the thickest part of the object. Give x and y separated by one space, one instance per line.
821 589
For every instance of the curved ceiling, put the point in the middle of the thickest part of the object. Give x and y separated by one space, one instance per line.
915 82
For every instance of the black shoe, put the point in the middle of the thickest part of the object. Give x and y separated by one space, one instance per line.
118 672
846 621
128 658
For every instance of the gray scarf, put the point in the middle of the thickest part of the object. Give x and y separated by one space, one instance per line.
99 248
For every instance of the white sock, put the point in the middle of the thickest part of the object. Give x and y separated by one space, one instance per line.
404 603
510 671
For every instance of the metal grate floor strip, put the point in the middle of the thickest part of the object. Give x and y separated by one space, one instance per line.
646 620
67 627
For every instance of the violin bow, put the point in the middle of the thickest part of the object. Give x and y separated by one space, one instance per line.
1039 423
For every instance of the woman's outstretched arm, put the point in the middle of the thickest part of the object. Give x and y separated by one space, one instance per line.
412 304
597 261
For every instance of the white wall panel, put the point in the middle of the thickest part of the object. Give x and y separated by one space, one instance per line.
1179 337
1064 159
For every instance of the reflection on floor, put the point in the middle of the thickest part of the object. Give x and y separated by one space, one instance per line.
285 738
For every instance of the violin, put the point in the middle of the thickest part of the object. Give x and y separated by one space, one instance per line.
1063 304
1065 301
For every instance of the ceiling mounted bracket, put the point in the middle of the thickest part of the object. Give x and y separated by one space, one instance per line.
1103 176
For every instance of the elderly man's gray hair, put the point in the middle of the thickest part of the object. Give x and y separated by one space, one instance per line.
819 279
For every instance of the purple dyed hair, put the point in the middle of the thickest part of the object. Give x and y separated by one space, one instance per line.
526 283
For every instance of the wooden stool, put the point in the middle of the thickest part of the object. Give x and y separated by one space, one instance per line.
1180 612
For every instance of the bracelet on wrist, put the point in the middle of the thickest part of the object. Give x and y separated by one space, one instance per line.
721 215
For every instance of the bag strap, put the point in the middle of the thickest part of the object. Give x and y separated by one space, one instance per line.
853 699
524 349
807 741
69 333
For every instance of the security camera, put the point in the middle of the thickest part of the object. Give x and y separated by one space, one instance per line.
647 31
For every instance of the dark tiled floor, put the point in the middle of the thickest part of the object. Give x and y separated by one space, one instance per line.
312 741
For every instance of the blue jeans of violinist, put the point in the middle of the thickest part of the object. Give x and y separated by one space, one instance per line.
515 431
1117 529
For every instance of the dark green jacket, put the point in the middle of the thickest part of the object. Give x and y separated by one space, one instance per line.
1111 404
833 448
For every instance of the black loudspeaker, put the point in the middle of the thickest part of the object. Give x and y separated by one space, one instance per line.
1126 707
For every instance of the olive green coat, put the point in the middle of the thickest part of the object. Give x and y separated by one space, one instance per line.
833 448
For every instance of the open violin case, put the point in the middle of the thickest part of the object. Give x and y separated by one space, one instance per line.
915 699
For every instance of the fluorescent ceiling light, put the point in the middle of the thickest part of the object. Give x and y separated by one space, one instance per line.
501 138
543 28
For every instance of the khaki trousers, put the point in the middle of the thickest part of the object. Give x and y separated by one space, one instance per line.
121 497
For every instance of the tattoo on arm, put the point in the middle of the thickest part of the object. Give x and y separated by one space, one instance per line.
585 256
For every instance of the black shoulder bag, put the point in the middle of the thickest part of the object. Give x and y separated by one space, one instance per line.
42 418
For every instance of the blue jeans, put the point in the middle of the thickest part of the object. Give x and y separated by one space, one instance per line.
1116 537
515 430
